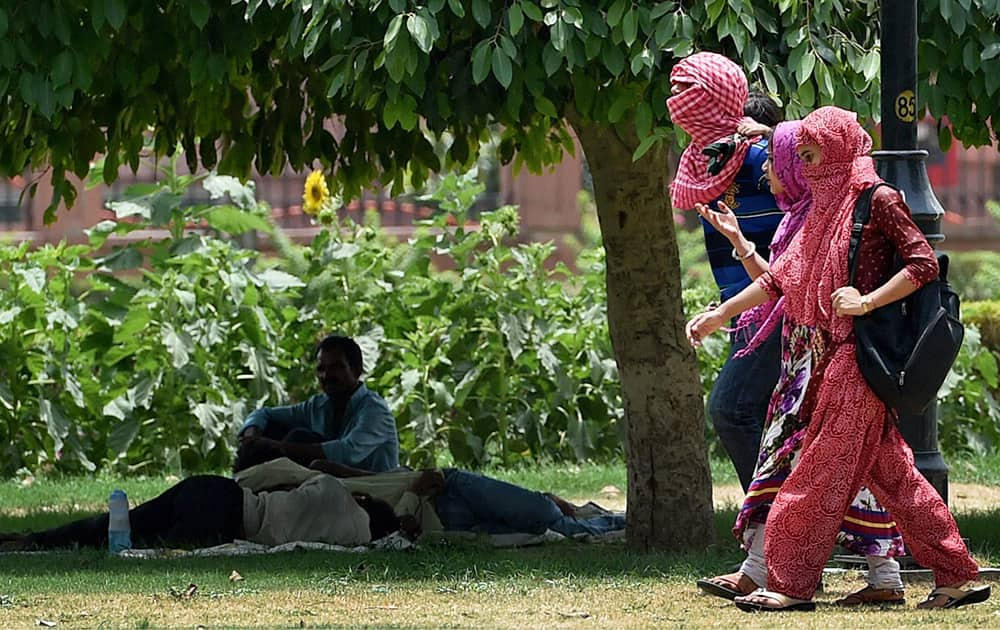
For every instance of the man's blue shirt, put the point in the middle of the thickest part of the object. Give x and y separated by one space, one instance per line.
751 201
368 439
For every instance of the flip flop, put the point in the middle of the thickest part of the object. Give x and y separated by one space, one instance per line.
722 586
783 603
871 596
957 597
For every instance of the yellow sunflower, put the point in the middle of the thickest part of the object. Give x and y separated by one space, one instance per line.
316 194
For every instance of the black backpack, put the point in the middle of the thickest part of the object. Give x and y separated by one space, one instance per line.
906 349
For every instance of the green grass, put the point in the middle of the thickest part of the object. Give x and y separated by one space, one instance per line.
441 585
979 469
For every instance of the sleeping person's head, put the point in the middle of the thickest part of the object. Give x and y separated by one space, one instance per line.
382 520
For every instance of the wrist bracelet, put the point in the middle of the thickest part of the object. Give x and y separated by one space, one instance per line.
750 252
866 305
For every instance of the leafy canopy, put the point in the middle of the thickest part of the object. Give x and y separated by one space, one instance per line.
254 84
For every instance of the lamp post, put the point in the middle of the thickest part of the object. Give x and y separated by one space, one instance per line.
901 164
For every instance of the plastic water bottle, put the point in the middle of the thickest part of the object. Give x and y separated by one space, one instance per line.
119 527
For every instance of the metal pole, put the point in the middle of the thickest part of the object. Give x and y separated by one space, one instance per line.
901 163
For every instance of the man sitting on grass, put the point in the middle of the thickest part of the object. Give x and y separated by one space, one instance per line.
448 499
347 423
208 510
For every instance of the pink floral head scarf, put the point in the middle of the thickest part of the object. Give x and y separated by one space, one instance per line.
815 264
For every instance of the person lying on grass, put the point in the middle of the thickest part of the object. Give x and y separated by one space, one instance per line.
208 510
347 423
441 499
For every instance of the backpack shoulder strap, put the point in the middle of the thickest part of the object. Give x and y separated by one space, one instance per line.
862 213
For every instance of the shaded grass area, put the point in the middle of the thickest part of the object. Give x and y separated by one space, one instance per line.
459 585
441 586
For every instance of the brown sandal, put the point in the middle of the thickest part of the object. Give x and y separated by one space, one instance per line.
728 586
871 596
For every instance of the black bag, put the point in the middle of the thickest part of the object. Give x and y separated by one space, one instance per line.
906 349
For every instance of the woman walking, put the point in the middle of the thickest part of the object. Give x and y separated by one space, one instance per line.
867 529
851 439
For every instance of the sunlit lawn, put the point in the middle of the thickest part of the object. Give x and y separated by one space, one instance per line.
461 585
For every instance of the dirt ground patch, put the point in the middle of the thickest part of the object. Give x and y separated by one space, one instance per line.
962 497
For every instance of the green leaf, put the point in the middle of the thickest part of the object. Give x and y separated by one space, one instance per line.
643 119
545 106
945 8
870 64
660 9
481 12
805 69
531 10
62 68
457 8
218 186
513 329
613 58
515 19
391 33
559 34
824 80
986 365
620 105
989 52
944 138
665 29
551 59
179 344
501 67
630 27
125 209
480 62
200 12
116 12
7 398
235 221
56 422
97 17
277 280
122 436
418 28
121 260
616 11
34 278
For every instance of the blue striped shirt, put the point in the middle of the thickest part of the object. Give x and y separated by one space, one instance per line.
368 439
750 199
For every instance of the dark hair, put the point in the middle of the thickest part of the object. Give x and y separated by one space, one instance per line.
382 520
763 109
254 452
347 347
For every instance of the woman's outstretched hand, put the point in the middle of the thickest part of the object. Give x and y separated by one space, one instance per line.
724 221
703 325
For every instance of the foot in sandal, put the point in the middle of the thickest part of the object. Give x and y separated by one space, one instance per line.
871 596
763 600
728 586
955 596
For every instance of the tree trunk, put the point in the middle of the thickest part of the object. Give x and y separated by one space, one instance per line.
669 482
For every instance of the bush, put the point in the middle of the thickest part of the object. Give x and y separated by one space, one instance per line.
152 355
975 275
969 412
985 316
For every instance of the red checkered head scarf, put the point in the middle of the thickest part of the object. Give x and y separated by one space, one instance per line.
815 264
708 111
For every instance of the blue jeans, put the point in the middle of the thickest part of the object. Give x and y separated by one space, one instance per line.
738 403
475 503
